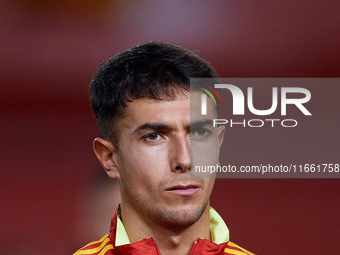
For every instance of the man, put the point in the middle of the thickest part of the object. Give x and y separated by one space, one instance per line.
141 99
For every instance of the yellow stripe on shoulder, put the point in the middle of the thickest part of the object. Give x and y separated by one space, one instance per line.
109 247
236 252
104 240
95 242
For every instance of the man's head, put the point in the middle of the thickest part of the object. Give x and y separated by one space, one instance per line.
142 102
152 70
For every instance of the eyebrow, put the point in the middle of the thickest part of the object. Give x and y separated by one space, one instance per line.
161 126
201 123
151 126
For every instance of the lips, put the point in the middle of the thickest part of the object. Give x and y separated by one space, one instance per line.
183 190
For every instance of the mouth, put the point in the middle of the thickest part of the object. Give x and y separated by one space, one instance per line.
183 190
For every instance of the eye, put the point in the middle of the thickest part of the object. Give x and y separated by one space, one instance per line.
200 133
152 137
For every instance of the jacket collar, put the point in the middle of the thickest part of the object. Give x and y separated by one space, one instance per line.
218 230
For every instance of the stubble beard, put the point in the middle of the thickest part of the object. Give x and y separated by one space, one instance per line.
179 219
182 215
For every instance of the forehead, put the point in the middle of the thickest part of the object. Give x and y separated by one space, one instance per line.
147 110
173 113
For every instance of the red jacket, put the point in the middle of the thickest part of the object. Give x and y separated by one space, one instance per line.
117 243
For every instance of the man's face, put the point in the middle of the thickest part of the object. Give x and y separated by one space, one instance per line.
154 163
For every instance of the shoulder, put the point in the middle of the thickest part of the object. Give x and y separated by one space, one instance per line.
99 247
232 248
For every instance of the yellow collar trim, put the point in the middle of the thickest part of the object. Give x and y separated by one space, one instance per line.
121 235
218 229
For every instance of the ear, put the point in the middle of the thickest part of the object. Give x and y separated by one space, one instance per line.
106 153
220 134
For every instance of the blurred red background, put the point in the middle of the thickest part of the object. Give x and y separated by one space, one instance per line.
51 48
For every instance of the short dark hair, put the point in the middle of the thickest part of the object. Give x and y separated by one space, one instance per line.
153 70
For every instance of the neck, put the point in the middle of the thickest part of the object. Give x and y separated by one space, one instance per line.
172 240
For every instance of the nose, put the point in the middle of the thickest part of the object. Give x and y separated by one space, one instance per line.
180 158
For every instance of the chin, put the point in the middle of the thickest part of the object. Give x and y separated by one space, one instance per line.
181 217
